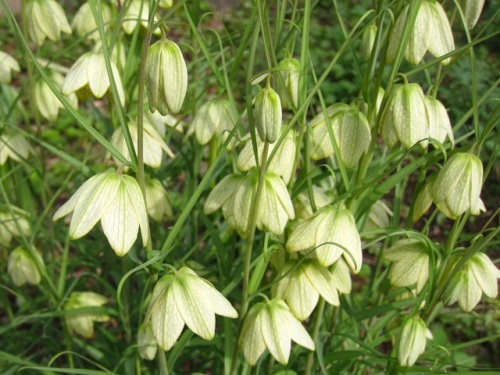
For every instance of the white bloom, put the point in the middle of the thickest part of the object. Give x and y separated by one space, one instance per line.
184 298
213 119
115 200
439 122
46 19
146 342
157 202
23 268
83 323
271 325
136 14
7 65
84 23
15 147
412 341
13 223
46 101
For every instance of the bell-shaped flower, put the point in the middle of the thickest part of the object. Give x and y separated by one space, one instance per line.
268 114
166 77
379 216
46 101
13 223
412 341
15 147
341 276
146 342
157 202
153 144
302 282
410 265
439 122
288 90
235 195
213 119
327 235
271 325
7 65
90 71
84 24
424 198
303 205
472 10
368 40
23 268
431 33
137 14
162 123
117 202
282 163
351 131
166 3
183 298
83 323
46 19
405 117
478 275
458 186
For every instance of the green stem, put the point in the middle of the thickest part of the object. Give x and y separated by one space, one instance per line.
318 319
162 362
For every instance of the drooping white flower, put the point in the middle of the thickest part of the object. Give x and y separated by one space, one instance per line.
213 119
184 298
7 65
411 341
22 266
46 19
15 147
289 69
439 122
83 323
157 202
327 235
271 325
146 342
472 10
137 14
84 23
13 223
458 186
478 275
117 202
46 101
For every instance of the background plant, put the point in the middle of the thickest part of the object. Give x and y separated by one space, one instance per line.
89 311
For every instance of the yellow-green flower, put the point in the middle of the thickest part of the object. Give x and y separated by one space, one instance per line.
327 235
137 14
46 19
84 23
117 202
268 115
478 275
166 77
302 282
271 325
22 266
213 119
13 223
472 10
46 101
412 341
439 122
458 186
288 91
183 298
7 65
15 147
368 40
83 323
157 202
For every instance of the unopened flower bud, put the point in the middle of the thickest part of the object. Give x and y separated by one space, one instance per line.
458 186
424 198
166 77
368 40
412 341
405 117
439 122
268 115
288 91
15 147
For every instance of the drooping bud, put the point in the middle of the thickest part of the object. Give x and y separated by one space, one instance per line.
458 186
412 341
368 40
289 69
268 115
405 116
424 198
439 122
166 77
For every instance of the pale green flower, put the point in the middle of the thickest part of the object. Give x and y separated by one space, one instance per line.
137 14
157 202
368 40
234 194
153 144
478 275
84 23
117 202
412 341
268 115
7 65
472 10
431 33
166 3
166 77
271 325
146 342
184 298
13 223
90 71
282 163
15 147
405 117
303 281
410 266
213 119
327 235
46 19
46 101
424 198
341 276
379 216
302 203
289 69
439 122
458 186
83 323
23 268
161 123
